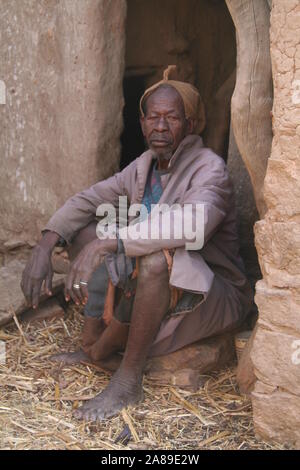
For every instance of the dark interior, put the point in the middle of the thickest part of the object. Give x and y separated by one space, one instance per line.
132 139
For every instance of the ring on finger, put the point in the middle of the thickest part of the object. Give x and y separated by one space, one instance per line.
76 286
83 283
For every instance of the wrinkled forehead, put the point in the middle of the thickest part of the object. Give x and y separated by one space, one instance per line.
165 97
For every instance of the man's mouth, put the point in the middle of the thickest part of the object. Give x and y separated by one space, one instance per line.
160 142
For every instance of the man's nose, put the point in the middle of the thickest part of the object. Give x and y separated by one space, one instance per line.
162 124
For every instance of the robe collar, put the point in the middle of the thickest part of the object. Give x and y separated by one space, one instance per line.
145 160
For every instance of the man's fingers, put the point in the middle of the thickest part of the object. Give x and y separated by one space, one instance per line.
78 295
66 294
85 292
36 293
79 275
69 290
77 287
26 286
48 283
28 297
73 297
69 294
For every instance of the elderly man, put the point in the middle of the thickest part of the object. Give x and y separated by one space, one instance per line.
163 295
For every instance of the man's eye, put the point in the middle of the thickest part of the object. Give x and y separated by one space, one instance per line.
172 118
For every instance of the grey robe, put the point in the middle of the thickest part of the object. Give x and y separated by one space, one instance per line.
195 175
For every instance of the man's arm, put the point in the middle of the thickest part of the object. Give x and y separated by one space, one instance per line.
75 214
81 209
214 192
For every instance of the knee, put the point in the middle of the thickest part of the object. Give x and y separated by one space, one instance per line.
153 266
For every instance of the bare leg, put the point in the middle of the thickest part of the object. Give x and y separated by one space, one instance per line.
91 332
150 306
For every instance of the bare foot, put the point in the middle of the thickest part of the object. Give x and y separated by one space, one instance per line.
110 364
117 395
70 358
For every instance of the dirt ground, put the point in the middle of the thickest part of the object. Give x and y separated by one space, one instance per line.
37 399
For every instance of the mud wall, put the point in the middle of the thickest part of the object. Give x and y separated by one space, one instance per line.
276 349
62 64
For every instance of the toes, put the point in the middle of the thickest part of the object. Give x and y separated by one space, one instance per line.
106 405
84 411
96 411
109 413
69 358
96 402
93 415
56 357
101 415
78 413
89 414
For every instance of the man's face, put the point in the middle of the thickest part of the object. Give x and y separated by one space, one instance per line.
164 124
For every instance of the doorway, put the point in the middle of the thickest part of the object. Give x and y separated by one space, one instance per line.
196 35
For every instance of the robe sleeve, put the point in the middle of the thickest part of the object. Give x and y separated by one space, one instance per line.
204 206
80 210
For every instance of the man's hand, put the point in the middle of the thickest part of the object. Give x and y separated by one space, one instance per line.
39 269
83 267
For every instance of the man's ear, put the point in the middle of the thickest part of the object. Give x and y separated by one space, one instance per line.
191 123
142 123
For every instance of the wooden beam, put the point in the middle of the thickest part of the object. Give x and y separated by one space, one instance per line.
253 95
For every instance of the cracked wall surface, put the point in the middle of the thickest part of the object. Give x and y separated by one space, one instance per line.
62 63
276 349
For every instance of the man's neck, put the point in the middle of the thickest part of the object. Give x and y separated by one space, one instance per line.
162 163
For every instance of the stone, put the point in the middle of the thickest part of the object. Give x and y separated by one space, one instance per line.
183 367
13 243
183 378
276 358
11 296
276 416
48 310
281 264
278 307
245 375
281 180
